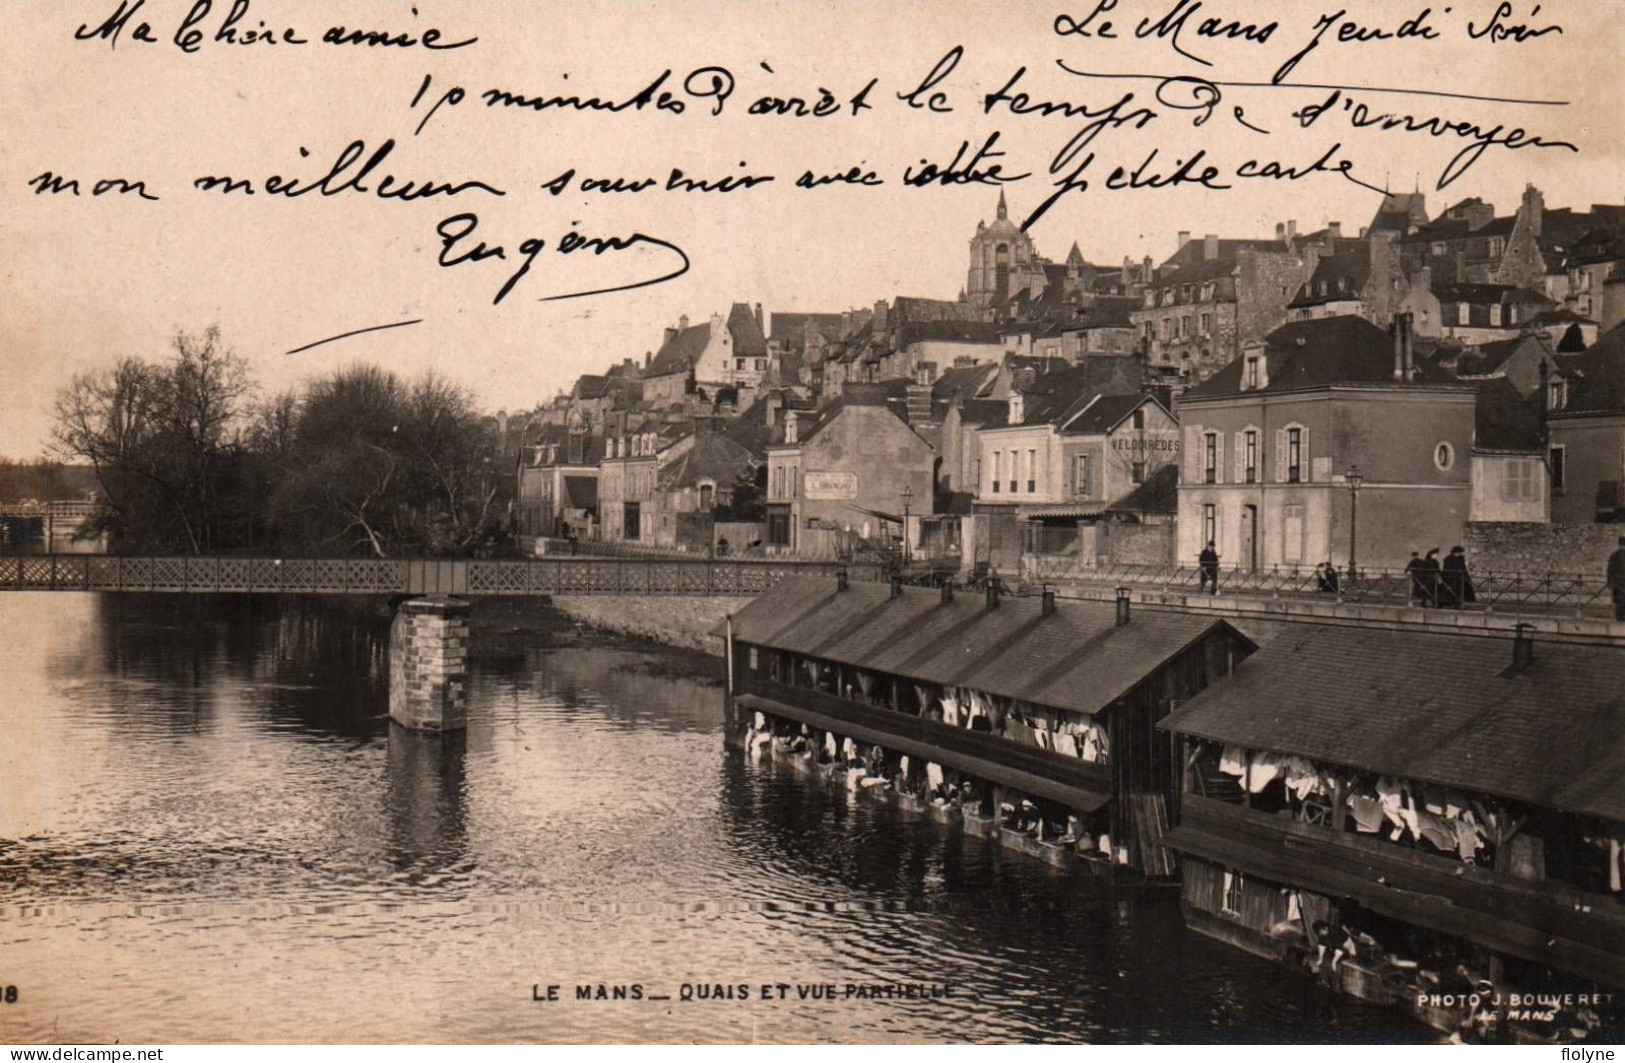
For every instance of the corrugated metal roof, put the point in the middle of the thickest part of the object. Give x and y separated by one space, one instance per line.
1438 708
1076 659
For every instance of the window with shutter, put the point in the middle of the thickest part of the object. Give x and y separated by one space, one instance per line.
1193 454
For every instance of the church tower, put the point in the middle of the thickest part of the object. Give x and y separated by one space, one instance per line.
1003 260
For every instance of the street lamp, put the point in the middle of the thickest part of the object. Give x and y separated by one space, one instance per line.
1354 480
908 498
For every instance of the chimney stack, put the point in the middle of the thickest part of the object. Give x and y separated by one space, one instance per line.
1523 647
759 319
682 322
840 578
790 427
1292 229
1280 231
1334 230
1210 247
1046 605
1122 606
1145 270
880 315
1184 238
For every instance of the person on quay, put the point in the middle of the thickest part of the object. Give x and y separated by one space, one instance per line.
1616 578
1431 572
1413 578
1458 585
1208 562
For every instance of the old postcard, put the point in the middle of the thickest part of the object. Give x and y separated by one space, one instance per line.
812 521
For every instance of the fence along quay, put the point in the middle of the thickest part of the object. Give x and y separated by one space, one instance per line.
1118 737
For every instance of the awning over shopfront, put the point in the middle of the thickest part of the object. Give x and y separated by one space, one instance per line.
1080 512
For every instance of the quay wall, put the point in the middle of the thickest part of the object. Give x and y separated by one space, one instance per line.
672 620
1539 548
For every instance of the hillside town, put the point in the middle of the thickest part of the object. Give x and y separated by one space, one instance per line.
1346 398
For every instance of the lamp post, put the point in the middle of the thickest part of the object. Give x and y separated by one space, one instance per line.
1354 480
908 499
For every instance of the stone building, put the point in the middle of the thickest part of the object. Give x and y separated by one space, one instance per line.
1269 443
1213 296
1586 421
1362 277
1003 261
726 352
840 476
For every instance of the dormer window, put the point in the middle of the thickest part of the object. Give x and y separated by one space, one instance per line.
1557 393
1251 381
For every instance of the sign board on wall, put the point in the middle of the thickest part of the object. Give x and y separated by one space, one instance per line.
830 486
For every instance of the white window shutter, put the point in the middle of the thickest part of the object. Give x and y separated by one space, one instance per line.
1307 474
1241 456
1218 531
1193 454
1280 455
1218 457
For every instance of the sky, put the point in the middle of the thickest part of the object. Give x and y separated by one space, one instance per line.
92 278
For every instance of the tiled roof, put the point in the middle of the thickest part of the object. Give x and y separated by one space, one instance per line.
1104 413
909 309
1194 253
1311 354
949 331
790 329
713 456
680 352
967 380
747 334
589 386
1078 658
1488 294
1506 420
1598 375
1440 708
1344 273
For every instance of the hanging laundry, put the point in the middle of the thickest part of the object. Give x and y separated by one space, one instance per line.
902 765
1367 812
1468 842
1294 907
759 722
830 745
1437 831
933 775
950 707
1300 777
1091 748
1065 743
1045 740
849 749
1265 767
1616 863
1233 761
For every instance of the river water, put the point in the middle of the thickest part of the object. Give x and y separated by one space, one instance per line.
209 831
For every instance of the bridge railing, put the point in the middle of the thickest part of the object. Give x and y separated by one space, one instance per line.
409 576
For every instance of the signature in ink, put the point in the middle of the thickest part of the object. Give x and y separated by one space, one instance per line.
458 246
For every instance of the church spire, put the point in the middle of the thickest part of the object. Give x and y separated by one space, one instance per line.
1074 257
1004 211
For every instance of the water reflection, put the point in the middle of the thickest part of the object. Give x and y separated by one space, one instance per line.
205 805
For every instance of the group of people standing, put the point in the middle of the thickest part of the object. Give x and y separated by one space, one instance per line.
1436 585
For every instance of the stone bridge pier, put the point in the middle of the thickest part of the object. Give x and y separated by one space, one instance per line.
428 664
